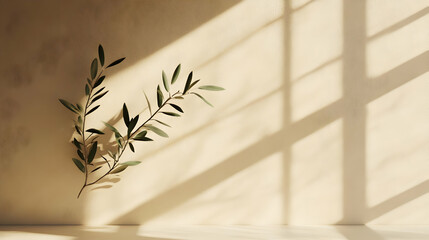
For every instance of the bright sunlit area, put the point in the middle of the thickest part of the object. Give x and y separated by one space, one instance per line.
214 119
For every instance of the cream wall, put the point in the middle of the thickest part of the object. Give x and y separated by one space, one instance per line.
325 119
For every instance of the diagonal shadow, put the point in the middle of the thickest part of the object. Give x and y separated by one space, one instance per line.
397 201
416 16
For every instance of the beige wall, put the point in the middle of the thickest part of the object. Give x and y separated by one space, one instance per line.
325 119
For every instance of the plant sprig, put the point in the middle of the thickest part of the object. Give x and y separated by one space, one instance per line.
86 146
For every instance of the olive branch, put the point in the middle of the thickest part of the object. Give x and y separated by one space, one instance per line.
85 140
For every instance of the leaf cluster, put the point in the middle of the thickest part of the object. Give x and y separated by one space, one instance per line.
167 103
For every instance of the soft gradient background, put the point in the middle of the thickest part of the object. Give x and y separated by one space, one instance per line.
325 119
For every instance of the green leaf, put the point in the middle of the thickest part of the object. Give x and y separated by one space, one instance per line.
79 107
160 96
132 124
156 130
93 130
188 83
130 163
92 152
93 109
146 139
99 81
193 84
208 103
101 54
131 147
79 120
118 138
119 169
211 88
142 137
171 114
94 68
163 123
99 90
148 103
175 74
96 169
125 115
142 134
76 143
89 82
87 90
178 97
98 97
78 130
115 62
80 154
79 165
68 105
165 81
176 107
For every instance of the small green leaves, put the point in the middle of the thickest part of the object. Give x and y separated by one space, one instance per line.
175 74
87 90
148 103
99 81
201 97
163 123
80 155
76 143
171 114
165 81
142 137
156 130
94 68
131 147
92 152
93 130
160 96
101 54
78 130
188 83
132 124
68 105
130 163
99 91
95 169
125 115
119 169
115 62
211 88
93 109
176 107
98 97
193 84
79 165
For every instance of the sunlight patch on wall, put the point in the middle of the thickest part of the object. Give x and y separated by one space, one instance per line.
316 67
316 177
400 37
253 195
397 142
316 37
316 90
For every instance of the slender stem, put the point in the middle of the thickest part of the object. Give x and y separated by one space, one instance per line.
83 136
128 139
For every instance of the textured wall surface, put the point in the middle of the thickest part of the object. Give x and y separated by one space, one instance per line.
325 119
